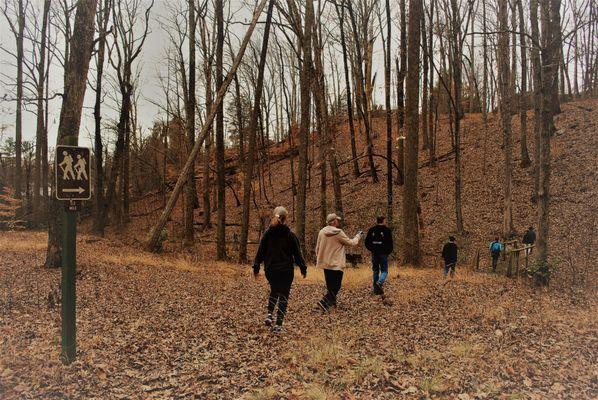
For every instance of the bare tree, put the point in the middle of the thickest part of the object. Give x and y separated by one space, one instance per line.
125 50
250 160
41 162
411 248
15 10
191 193
77 66
504 81
220 165
156 230
387 72
340 11
551 35
525 160
103 18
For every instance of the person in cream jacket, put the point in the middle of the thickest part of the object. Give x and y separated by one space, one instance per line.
330 256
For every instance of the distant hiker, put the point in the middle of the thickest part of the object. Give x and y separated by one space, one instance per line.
449 255
330 256
379 242
529 238
279 251
495 250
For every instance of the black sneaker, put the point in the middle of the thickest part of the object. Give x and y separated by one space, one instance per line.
268 321
378 289
277 329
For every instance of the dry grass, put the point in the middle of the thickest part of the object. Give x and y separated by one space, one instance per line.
23 241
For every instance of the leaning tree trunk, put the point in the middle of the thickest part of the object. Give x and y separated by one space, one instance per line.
76 69
411 249
156 230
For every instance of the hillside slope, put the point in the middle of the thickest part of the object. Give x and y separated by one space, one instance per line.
574 189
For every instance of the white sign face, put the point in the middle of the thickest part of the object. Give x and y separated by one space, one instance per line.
73 173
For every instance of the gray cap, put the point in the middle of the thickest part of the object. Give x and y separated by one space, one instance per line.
332 217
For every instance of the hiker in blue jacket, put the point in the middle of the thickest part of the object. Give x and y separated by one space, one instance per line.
496 248
379 242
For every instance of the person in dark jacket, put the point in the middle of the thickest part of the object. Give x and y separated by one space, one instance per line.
449 254
279 251
529 238
379 242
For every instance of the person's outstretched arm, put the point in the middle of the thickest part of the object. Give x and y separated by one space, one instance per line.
344 239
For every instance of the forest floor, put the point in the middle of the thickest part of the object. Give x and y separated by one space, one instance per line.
171 326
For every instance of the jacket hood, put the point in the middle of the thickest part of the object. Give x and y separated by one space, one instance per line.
331 230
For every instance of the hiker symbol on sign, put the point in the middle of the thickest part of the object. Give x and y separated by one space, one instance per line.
72 173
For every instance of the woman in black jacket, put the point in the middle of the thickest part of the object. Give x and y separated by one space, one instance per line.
279 251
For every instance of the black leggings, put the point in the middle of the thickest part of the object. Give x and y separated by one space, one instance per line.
280 288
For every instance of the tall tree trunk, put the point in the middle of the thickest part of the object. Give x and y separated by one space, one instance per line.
387 71
485 93
19 111
104 18
207 156
355 162
537 74
191 194
220 162
457 55
40 126
305 87
240 127
411 249
400 124
550 10
363 90
76 69
250 160
431 130
504 81
525 160
329 129
425 64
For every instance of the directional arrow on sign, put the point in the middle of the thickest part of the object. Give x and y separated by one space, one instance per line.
78 190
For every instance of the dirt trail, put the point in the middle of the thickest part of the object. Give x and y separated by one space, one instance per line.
164 327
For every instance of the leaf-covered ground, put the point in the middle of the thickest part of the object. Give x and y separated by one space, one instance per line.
164 327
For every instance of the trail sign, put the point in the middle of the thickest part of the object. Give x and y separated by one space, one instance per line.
73 173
